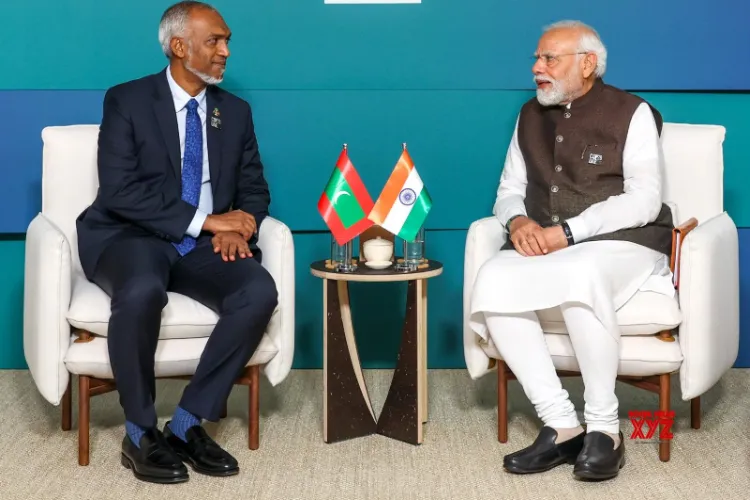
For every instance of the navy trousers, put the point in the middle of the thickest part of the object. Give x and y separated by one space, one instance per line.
137 272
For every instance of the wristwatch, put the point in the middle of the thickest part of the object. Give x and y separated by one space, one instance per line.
568 233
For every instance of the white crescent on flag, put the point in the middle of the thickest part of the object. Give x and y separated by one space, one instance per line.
339 195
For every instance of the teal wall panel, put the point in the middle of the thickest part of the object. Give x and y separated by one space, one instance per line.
439 44
11 303
731 111
377 308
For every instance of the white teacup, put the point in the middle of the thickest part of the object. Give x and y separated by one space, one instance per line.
378 250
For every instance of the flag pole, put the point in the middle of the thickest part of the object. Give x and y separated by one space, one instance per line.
346 264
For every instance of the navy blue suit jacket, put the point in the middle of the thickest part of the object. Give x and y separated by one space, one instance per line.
140 177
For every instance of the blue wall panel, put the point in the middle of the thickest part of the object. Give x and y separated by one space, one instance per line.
458 140
439 44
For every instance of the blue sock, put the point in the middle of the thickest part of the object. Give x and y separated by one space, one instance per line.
135 432
182 421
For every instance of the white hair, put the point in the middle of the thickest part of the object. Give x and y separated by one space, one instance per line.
589 42
174 23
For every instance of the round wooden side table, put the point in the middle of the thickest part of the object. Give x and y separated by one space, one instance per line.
347 409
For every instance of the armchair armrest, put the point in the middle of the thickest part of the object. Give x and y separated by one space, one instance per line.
709 299
483 240
276 242
47 289
679 234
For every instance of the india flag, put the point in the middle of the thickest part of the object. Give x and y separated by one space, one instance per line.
404 203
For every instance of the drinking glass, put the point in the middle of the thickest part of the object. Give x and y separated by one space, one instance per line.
341 256
414 250
413 253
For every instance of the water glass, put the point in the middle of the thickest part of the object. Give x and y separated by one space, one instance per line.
414 250
338 253
341 256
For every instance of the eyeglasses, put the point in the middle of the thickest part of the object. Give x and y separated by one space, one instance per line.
550 60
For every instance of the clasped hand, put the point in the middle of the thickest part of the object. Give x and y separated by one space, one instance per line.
529 238
231 233
230 244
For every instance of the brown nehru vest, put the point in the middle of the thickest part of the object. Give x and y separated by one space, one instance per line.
574 159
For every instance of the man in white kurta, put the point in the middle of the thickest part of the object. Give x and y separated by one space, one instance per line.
584 239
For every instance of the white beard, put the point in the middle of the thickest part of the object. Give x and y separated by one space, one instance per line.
208 79
553 96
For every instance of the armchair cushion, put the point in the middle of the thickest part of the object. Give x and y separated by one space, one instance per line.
182 318
174 357
639 356
646 313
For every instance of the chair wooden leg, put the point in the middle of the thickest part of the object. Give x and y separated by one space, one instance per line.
695 413
84 412
254 409
502 402
67 406
664 400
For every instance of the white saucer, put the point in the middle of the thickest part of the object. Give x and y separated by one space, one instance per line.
378 265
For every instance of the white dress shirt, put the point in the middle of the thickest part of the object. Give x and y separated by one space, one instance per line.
206 202
638 205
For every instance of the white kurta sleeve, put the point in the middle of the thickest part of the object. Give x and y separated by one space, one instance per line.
641 200
512 190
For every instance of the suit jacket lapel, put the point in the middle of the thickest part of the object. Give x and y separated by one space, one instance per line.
167 119
214 135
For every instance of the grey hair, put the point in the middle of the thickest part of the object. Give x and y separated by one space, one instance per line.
589 42
174 22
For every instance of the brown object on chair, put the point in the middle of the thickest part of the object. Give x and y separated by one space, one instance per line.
659 384
89 387
371 233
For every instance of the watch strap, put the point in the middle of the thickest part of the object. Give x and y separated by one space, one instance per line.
568 233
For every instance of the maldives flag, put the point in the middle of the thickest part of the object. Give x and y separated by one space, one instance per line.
345 202
404 203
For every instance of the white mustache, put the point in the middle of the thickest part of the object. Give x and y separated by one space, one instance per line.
542 79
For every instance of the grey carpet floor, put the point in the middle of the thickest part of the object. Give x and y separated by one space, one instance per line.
459 459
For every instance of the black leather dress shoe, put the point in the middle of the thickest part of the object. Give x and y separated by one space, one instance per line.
202 453
155 461
544 454
598 459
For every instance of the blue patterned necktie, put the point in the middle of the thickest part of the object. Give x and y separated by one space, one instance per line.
192 167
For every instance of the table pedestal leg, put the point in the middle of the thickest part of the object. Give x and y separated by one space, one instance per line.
401 417
347 411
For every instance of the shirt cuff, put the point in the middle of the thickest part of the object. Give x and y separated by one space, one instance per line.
510 210
578 227
195 227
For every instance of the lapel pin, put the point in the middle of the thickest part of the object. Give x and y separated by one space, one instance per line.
595 159
215 122
216 112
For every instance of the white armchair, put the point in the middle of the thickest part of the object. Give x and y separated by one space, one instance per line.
704 317
66 316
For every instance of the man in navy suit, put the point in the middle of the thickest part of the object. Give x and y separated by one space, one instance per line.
181 195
